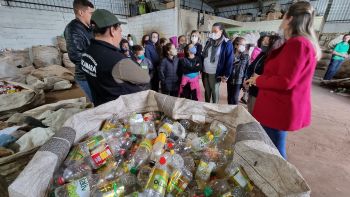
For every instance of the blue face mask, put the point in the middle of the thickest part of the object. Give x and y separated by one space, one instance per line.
141 57
193 50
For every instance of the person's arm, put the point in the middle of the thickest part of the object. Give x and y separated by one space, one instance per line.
75 45
229 60
128 70
161 70
148 53
289 73
199 50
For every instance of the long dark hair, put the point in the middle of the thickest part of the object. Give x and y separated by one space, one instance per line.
221 27
166 49
302 23
143 41
272 41
261 39
150 38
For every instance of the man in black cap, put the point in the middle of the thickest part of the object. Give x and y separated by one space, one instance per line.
78 35
108 72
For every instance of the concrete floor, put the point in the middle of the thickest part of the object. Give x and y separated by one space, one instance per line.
321 152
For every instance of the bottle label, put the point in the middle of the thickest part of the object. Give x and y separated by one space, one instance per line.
203 170
108 125
167 128
94 141
158 181
177 183
241 179
112 190
100 157
147 144
203 142
79 188
76 154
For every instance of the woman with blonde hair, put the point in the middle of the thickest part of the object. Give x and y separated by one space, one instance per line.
284 99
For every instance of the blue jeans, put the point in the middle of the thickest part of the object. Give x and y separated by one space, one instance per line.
333 68
278 138
86 88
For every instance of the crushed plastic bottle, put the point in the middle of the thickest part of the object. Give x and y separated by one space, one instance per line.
218 130
220 187
143 175
142 154
204 169
238 177
179 180
111 123
74 172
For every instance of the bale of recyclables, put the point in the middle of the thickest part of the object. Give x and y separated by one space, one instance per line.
51 115
45 56
23 100
252 148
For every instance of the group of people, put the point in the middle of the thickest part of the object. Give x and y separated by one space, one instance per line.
277 75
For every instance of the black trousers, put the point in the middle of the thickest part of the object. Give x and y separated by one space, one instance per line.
233 91
155 81
188 93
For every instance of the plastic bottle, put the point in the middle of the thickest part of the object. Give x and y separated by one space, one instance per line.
218 130
142 154
81 187
74 172
179 180
183 147
143 175
158 147
189 163
110 123
158 181
152 133
220 187
238 177
204 169
166 128
179 130
112 188
200 143
137 125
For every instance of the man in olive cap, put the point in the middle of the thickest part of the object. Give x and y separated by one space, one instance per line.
108 72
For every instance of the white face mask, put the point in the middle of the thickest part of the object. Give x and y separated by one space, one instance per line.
214 36
154 40
241 48
194 39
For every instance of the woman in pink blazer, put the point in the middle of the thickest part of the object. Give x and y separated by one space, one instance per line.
284 99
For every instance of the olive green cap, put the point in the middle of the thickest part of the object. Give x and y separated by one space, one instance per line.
104 18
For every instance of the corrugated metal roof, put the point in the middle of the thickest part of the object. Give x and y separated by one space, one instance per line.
340 11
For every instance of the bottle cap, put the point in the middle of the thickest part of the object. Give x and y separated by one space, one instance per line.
170 145
60 181
161 138
172 152
133 170
146 119
211 137
208 191
162 160
124 129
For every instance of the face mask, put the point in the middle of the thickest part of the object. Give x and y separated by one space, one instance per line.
241 48
214 36
154 40
173 52
193 50
264 48
141 57
194 39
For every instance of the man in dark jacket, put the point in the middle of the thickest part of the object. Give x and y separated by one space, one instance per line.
108 72
78 35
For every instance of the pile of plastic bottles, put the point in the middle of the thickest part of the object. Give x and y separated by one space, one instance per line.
7 88
151 155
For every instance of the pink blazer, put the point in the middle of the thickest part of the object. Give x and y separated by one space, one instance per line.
284 99
255 54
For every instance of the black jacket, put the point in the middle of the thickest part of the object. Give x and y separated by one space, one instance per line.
110 74
188 66
257 66
78 38
169 74
239 69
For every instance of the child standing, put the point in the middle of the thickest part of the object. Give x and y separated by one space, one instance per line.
190 67
140 58
168 71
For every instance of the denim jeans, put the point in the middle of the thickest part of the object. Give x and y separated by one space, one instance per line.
233 91
279 138
86 88
333 68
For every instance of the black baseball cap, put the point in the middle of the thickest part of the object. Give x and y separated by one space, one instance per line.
104 18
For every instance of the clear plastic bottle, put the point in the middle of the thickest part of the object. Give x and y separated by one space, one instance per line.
204 169
142 154
81 187
166 128
183 147
189 163
158 147
74 172
158 181
200 143
111 123
179 130
220 187
218 130
179 180
238 177
137 125
143 175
